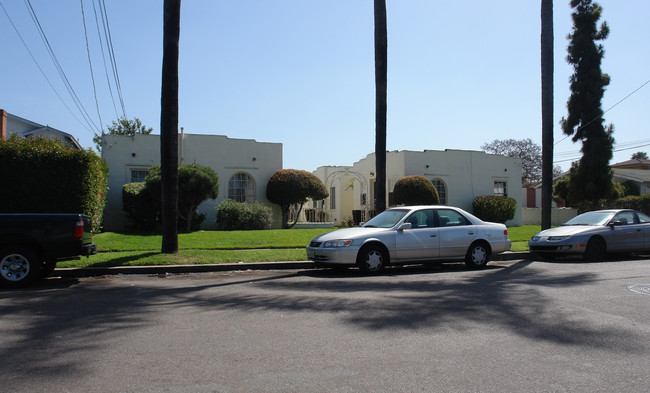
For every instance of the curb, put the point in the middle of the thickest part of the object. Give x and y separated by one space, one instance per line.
221 267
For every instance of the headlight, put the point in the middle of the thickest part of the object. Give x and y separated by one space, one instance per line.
535 238
338 243
556 238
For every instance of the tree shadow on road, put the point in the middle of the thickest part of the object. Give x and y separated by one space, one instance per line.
75 317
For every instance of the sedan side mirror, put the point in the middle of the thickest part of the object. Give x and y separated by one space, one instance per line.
615 223
406 225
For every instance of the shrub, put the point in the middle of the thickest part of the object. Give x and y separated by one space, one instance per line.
415 190
232 215
139 208
44 176
639 203
494 208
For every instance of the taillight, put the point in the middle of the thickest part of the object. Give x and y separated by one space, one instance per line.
505 232
78 231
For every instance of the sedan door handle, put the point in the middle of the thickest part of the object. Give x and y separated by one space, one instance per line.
433 235
470 233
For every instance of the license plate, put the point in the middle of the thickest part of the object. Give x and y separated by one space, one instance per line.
310 254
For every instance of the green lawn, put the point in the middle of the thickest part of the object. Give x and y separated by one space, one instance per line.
123 249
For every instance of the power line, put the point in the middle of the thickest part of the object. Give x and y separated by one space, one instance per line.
610 108
90 64
101 44
41 69
111 53
62 74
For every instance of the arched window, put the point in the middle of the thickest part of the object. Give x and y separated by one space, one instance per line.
241 188
441 187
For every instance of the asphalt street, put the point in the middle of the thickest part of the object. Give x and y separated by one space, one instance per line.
518 325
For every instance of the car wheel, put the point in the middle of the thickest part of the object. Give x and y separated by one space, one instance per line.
372 259
596 250
19 266
477 256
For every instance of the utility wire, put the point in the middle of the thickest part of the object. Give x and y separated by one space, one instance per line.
41 69
101 44
610 108
111 53
90 64
62 74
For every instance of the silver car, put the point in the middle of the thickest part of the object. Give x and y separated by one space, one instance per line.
594 234
411 234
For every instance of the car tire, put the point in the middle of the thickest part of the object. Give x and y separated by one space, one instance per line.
19 266
477 255
595 250
372 259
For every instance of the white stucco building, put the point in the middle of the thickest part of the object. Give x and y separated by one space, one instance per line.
244 167
458 175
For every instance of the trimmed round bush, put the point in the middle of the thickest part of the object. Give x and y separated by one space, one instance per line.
232 215
415 190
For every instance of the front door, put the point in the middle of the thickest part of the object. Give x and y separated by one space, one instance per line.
421 241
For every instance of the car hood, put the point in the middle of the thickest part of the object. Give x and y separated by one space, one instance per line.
350 233
568 230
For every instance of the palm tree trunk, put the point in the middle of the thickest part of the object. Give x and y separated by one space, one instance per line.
381 72
547 111
169 126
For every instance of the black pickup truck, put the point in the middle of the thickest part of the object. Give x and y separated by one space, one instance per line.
32 243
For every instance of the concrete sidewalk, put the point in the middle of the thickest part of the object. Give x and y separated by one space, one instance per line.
221 267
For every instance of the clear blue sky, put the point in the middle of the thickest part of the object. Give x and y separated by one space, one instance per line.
300 72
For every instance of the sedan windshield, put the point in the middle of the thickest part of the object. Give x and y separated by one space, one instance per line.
386 219
591 218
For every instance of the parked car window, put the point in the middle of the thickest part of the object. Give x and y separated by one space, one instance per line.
386 219
643 219
451 218
422 219
625 218
591 218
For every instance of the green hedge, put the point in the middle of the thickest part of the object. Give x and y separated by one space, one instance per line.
639 203
44 176
494 208
233 215
140 208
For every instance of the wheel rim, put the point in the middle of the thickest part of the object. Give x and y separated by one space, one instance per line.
479 255
14 267
374 260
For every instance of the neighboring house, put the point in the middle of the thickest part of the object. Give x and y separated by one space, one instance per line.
636 171
244 167
12 124
458 175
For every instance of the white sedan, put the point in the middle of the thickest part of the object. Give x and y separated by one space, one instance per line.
411 234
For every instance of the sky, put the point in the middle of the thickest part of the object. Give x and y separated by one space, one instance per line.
301 72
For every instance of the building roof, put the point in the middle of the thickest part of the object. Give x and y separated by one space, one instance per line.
637 163
37 129
638 175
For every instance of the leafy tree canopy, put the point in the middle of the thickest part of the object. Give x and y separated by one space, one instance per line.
415 190
529 152
123 126
640 155
292 186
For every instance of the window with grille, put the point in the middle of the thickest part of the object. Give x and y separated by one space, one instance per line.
501 188
241 188
441 187
138 175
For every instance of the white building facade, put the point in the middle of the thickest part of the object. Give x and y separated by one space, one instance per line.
244 167
458 175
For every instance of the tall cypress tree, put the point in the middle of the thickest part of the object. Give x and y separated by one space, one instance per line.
591 179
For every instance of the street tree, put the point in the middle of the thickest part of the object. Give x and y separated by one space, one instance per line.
169 126
381 81
292 186
640 155
547 110
123 126
591 179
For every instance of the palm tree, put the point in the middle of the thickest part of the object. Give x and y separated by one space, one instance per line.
169 126
547 111
381 72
